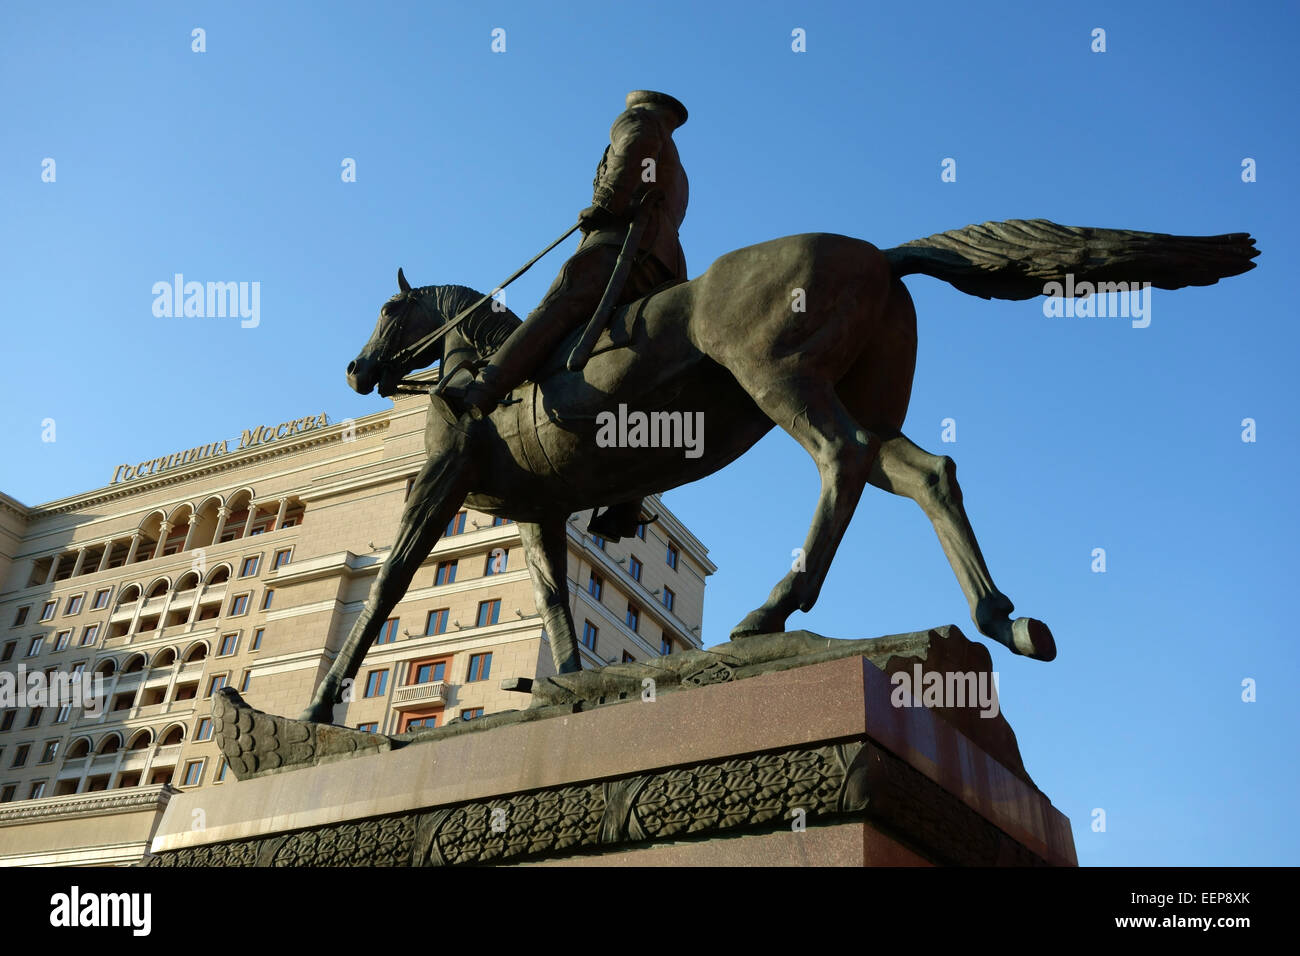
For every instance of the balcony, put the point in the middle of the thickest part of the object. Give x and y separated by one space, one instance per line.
418 695
102 762
135 759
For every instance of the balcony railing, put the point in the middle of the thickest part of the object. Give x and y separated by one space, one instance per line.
413 695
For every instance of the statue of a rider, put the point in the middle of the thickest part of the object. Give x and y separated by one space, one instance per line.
640 163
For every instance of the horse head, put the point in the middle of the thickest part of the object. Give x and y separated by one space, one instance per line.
403 320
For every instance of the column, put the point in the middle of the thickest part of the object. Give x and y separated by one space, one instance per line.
135 544
135 618
222 514
108 551
81 559
252 513
279 515
194 608
164 530
189 533
54 567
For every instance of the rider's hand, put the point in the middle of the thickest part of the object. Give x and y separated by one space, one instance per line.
596 217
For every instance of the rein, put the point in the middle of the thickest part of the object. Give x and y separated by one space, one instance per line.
408 354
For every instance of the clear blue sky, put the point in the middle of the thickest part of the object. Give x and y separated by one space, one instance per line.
1073 434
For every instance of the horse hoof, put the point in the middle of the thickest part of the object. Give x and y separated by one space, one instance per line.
1033 639
758 622
318 714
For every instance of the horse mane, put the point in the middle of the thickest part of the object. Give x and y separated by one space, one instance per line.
485 328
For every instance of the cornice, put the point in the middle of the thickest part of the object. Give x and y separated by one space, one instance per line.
208 466
86 805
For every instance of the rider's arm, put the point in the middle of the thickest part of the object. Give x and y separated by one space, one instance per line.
633 139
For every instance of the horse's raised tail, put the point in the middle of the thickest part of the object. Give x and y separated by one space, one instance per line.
1015 259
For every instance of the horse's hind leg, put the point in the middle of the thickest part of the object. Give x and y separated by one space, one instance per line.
811 412
546 551
435 497
931 481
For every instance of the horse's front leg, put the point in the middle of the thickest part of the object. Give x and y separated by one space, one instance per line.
436 496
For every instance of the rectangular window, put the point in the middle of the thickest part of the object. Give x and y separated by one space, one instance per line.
229 644
480 666
669 598
34 647
426 672
8 653
640 531
446 572
671 556
369 727
20 616
193 773
7 794
598 541
634 568
589 632
388 633
34 718
281 558
633 616
62 639
456 525
20 755
488 612
469 713
257 639
501 522
245 681
239 605
216 683
204 729
249 567
496 561
49 752
267 598
47 611
628 658
221 770
665 646
74 604
64 713
415 722
101 599
436 623
37 791
376 683
596 586
7 719
89 635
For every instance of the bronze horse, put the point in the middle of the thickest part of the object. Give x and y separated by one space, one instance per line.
735 344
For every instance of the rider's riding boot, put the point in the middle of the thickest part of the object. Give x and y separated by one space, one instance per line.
619 520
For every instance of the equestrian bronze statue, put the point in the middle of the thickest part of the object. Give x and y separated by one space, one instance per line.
814 334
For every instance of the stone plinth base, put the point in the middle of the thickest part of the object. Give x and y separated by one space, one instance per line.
807 766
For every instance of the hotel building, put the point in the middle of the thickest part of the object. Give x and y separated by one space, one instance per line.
244 563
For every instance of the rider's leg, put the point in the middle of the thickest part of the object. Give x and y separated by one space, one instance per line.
571 300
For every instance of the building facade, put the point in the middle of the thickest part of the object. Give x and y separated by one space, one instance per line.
244 564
